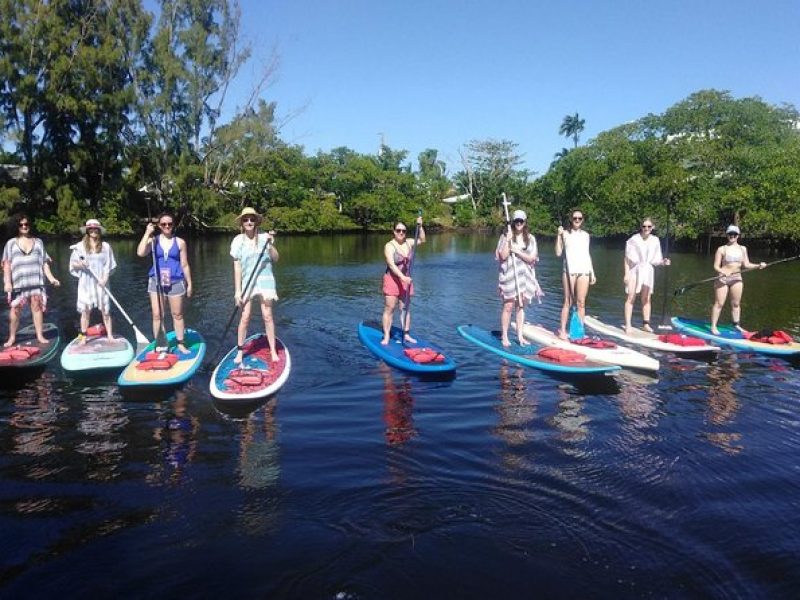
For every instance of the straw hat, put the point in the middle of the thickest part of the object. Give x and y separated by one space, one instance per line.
248 212
91 224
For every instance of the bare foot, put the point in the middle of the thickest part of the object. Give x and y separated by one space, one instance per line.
238 359
43 340
505 342
384 341
409 339
647 328
274 356
183 349
741 329
9 343
715 331
563 335
628 329
82 339
523 341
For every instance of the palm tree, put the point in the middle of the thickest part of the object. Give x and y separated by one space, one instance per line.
571 127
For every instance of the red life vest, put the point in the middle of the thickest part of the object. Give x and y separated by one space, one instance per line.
96 330
562 355
594 343
767 336
18 353
424 355
157 361
681 339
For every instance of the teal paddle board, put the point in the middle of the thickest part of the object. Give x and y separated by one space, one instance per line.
96 353
154 368
731 336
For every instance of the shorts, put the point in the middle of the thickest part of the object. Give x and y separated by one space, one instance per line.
392 286
176 289
729 279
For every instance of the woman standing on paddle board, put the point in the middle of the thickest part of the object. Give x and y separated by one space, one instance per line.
517 253
25 265
254 252
397 286
578 272
173 272
642 253
729 260
92 261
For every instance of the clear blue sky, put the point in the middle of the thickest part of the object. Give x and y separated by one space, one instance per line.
436 74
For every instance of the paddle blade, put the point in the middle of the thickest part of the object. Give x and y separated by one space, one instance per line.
576 329
141 339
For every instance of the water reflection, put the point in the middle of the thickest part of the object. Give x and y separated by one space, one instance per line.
101 421
517 412
398 408
723 404
36 424
638 400
177 436
570 420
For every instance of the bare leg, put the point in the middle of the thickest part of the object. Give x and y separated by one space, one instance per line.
629 301
269 327
562 332
720 294
581 291
520 325
176 308
736 290
85 315
390 303
505 321
37 313
109 325
155 307
406 324
646 306
241 332
13 324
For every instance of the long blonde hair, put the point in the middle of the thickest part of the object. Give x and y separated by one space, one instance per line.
87 243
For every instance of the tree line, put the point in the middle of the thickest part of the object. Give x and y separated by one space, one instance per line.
110 111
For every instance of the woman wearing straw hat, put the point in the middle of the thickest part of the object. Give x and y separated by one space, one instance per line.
253 253
92 262
25 265
174 274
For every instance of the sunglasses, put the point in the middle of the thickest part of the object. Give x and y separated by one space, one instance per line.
248 220
733 235
647 226
91 229
398 230
169 224
577 218
518 221
24 224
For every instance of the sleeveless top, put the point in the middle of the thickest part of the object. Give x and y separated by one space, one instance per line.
400 261
734 257
172 260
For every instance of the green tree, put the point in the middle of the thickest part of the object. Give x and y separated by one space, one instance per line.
571 127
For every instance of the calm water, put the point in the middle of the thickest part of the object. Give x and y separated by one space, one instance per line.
358 481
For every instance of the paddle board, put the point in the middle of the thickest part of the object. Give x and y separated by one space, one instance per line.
612 355
647 339
730 336
399 354
98 352
257 376
530 356
153 369
28 352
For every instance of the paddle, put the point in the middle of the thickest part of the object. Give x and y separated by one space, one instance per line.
682 290
245 299
506 204
141 339
161 337
405 314
576 329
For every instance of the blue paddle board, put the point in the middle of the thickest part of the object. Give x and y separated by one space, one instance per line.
529 355
401 354
256 376
731 336
97 352
27 351
151 368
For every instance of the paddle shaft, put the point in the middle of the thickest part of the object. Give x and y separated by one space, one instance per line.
510 234
407 310
161 335
140 337
666 275
682 290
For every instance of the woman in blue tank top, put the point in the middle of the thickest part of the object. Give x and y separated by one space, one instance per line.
172 270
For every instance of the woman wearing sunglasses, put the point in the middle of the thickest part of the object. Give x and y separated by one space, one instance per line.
253 250
729 260
172 270
92 262
517 285
642 254
25 265
578 272
397 287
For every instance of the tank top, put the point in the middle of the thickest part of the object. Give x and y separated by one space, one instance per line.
171 260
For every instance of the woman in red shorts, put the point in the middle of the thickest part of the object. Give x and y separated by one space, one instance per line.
397 287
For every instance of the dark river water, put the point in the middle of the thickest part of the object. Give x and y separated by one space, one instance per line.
358 481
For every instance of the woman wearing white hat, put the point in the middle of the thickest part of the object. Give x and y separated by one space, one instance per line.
729 260
253 254
517 253
92 262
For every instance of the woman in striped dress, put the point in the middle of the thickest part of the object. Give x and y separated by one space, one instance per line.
92 262
254 252
25 266
517 285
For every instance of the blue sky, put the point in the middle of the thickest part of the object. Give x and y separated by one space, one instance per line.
436 74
